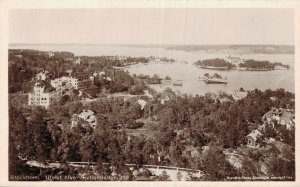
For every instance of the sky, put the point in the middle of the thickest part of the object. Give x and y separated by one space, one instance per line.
152 26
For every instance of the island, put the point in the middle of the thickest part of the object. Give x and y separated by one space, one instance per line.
256 65
241 64
216 63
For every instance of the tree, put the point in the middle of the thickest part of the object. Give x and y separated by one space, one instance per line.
215 164
179 176
164 176
115 155
87 148
281 167
175 153
93 91
42 141
167 137
75 107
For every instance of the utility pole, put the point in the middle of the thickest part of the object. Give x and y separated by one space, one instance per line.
149 112
114 73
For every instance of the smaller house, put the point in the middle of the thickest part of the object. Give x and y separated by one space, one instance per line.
237 95
69 71
85 116
102 73
108 79
166 98
92 78
142 103
42 75
252 138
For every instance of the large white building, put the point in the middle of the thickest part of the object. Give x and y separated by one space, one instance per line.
43 95
64 82
39 96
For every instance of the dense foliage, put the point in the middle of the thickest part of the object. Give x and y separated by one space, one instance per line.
186 123
256 64
217 62
22 69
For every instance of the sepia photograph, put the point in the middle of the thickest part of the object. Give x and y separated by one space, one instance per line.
151 94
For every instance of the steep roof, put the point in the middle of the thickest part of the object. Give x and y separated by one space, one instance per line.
284 114
48 87
142 103
287 116
85 114
237 95
254 134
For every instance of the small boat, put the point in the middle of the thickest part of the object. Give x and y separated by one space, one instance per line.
166 81
177 83
214 68
215 79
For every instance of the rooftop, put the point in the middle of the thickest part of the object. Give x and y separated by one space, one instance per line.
142 103
85 114
284 114
255 134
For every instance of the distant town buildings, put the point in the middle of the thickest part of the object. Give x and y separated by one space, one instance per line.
235 59
77 61
97 74
101 75
50 53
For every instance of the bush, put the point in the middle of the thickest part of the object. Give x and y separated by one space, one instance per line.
134 125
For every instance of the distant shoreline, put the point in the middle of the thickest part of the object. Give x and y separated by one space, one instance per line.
237 68
211 48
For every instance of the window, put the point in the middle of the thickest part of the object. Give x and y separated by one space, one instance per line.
249 141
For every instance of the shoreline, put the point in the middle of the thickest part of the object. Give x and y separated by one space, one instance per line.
239 68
